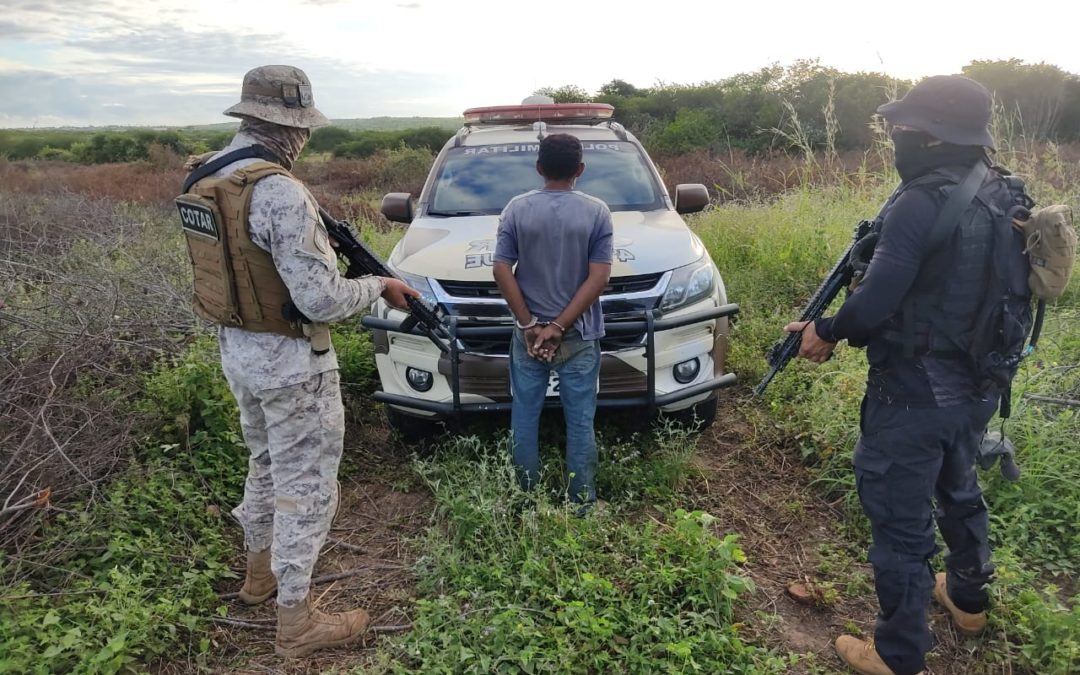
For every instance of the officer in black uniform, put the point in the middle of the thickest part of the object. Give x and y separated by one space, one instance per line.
925 409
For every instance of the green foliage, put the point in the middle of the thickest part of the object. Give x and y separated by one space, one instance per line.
516 583
401 165
1041 99
29 144
325 139
568 93
132 577
356 356
137 573
1034 622
398 123
362 144
129 145
691 129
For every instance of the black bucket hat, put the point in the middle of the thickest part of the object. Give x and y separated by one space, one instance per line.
951 108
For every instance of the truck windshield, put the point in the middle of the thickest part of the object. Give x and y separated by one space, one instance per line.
480 180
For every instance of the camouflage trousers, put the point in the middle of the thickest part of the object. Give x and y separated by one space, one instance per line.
295 435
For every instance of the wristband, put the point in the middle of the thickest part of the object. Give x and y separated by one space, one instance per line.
532 322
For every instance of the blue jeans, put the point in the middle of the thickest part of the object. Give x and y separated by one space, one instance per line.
577 362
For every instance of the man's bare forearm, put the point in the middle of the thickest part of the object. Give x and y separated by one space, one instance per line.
586 294
511 292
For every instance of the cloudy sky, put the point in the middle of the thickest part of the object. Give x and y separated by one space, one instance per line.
158 62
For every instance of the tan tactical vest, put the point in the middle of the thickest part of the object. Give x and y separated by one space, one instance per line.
236 283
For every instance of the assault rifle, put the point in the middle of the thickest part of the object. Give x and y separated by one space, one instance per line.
361 260
841 276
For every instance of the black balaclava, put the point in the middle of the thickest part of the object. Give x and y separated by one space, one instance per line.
915 156
285 142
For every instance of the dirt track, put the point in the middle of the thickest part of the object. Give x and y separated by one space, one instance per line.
788 530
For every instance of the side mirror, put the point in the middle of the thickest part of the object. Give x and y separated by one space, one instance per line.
397 206
691 197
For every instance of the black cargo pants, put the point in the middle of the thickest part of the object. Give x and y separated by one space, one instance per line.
905 460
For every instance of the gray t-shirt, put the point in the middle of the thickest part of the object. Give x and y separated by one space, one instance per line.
553 235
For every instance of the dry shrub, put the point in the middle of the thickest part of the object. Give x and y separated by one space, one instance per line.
91 293
337 182
334 179
744 177
156 182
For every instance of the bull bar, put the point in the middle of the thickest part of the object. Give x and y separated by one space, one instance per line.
650 323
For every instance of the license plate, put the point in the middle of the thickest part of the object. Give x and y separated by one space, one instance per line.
553 385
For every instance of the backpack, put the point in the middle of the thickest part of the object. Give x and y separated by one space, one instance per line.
1050 244
1027 261
1033 255
1004 320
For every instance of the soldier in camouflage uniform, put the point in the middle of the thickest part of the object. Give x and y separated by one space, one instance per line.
287 389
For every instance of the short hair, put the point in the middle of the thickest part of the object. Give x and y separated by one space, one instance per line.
560 155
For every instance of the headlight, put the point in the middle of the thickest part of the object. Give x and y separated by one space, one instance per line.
419 283
689 284
420 380
687 371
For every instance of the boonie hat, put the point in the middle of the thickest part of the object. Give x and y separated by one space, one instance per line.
951 108
278 94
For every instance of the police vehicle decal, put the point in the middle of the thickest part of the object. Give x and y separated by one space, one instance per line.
481 253
587 146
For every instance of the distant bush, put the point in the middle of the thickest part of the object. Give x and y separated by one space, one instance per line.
106 147
690 130
363 144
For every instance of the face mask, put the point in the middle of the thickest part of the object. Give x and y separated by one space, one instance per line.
912 150
285 142
918 153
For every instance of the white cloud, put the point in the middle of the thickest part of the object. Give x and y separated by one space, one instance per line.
182 60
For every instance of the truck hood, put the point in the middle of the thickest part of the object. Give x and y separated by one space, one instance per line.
463 248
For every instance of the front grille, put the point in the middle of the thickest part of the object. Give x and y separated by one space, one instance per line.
480 302
634 284
488 290
471 289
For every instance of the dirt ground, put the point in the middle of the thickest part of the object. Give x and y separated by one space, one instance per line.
792 534
789 530
380 513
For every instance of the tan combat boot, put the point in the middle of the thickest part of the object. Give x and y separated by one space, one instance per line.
862 656
966 623
304 629
259 583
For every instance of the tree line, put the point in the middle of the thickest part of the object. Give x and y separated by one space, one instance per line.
777 108
1039 101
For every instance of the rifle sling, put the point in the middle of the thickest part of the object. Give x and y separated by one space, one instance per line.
949 216
945 224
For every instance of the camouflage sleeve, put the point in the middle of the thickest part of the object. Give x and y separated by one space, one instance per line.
284 220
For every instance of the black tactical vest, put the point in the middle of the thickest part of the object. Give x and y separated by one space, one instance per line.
938 315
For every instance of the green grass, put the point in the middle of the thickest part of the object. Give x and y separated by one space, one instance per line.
516 583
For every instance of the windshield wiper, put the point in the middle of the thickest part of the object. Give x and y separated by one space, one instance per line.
457 213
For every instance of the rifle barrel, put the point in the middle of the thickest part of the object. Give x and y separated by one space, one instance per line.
787 348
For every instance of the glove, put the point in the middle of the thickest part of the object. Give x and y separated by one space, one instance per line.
995 446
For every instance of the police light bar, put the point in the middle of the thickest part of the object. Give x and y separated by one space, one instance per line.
540 112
